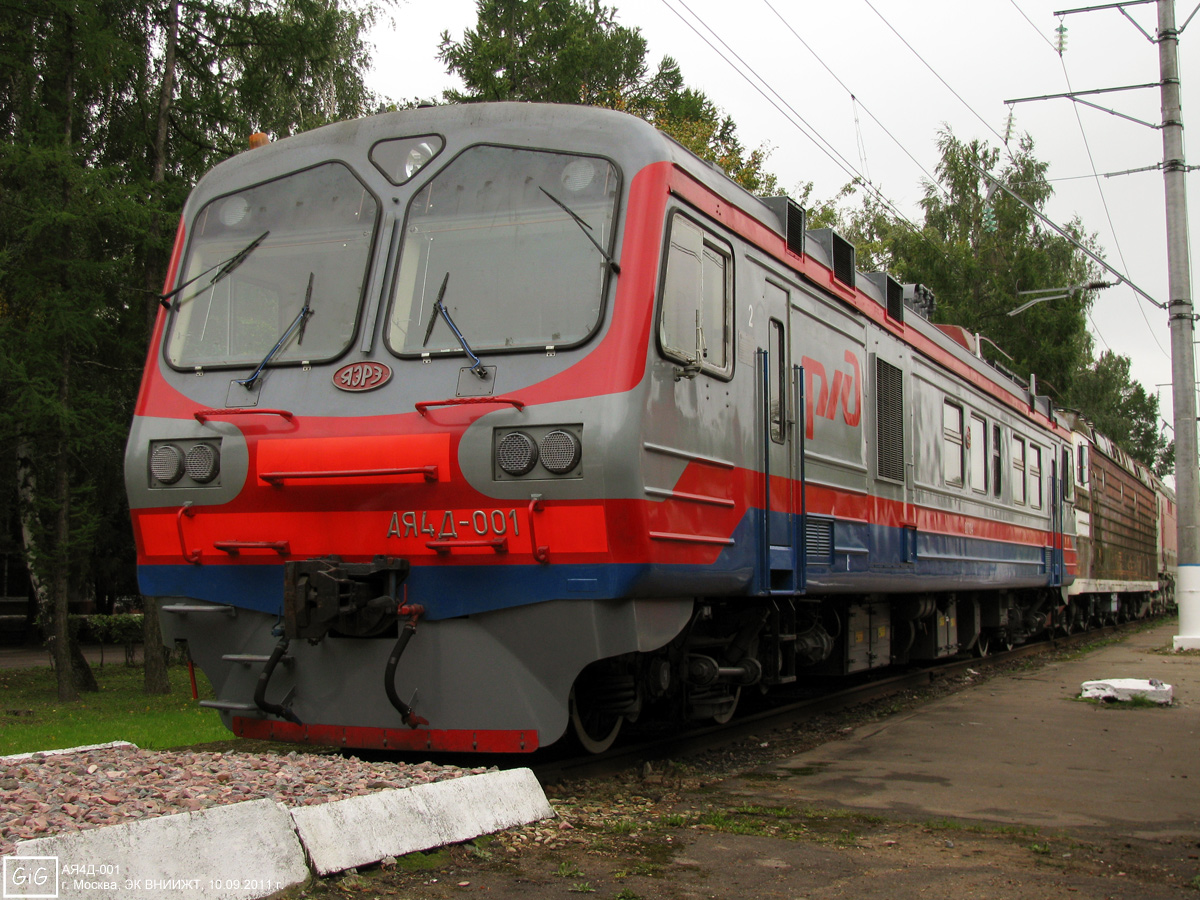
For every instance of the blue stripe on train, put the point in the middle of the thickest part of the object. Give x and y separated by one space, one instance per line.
859 557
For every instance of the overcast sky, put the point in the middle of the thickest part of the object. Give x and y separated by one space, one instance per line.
912 67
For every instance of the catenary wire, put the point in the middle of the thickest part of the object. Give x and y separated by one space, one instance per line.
791 114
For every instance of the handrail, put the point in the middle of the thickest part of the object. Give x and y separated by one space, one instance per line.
192 556
201 414
283 548
423 405
500 545
277 478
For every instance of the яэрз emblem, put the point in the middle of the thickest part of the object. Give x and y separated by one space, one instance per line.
363 376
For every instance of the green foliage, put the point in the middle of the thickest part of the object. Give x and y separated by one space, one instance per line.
119 629
88 196
573 51
551 51
36 720
1121 408
977 269
978 249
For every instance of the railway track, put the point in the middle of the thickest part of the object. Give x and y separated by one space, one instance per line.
788 715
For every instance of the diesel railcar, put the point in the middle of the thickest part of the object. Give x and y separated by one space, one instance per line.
463 428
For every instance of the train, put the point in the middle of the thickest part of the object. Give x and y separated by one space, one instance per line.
474 428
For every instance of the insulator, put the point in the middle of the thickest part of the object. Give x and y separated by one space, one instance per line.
1060 40
1009 122
989 218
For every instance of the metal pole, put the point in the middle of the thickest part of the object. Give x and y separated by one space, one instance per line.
1183 367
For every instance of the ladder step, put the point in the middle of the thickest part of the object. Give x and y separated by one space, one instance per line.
230 705
245 657
781 557
184 608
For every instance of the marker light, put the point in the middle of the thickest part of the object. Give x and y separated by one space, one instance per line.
517 453
202 463
560 452
166 463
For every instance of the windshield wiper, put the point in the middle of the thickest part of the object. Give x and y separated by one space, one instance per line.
298 322
585 228
225 266
476 369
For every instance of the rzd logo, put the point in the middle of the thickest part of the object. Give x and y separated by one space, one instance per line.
823 396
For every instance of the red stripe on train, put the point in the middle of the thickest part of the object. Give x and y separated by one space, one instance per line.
420 739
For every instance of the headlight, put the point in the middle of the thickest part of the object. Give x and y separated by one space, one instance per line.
202 463
166 463
560 452
517 453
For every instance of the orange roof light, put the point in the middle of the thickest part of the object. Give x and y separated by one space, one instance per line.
258 139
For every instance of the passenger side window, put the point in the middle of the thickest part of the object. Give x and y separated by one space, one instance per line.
952 444
977 441
997 462
1035 476
697 292
1018 481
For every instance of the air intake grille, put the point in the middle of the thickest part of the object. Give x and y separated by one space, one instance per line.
818 540
795 228
895 299
843 260
889 420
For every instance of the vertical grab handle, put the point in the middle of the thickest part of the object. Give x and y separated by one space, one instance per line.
541 552
192 556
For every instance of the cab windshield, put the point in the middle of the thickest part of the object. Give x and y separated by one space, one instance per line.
524 236
263 245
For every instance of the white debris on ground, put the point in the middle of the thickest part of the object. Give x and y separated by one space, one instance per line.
1123 690
48 793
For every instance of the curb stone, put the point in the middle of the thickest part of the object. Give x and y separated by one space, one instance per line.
254 849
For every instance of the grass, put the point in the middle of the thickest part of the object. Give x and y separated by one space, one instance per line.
32 717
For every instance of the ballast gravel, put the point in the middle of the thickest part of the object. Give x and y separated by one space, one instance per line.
46 794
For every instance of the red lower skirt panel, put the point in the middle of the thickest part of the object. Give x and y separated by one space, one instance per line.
464 741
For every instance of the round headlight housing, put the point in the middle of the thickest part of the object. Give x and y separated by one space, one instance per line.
166 463
517 453
202 463
560 451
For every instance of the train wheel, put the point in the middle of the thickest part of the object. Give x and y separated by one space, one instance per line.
723 717
982 645
596 731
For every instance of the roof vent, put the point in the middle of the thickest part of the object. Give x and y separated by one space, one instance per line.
838 249
893 293
920 300
791 220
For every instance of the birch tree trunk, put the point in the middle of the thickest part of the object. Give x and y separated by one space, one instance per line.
155 667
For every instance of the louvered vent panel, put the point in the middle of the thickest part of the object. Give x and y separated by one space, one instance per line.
895 299
889 420
795 228
843 260
818 538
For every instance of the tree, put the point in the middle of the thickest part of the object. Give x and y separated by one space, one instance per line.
108 112
979 249
1121 408
573 51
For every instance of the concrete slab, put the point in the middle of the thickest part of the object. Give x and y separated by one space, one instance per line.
1125 690
363 830
17 757
1019 749
240 852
